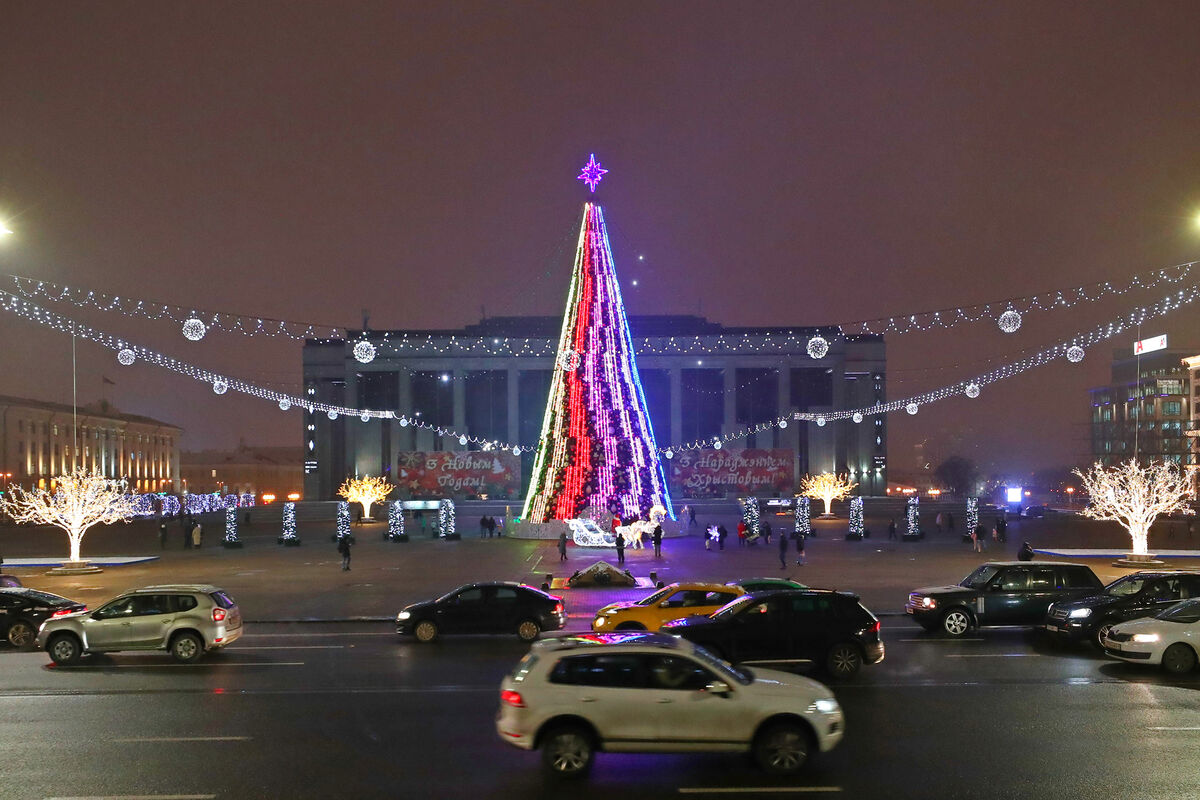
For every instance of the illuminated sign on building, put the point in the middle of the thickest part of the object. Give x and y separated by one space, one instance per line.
1014 494
1150 345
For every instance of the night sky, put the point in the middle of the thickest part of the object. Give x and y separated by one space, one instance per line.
775 164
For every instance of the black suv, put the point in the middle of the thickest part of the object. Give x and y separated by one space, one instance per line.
1142 594
497 607
22 612
781 628
1001 593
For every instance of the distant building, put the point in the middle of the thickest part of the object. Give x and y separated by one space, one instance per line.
245 470
701 380
40 441
1192 365
1148 408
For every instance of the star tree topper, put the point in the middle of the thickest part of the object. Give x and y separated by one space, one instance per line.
592 173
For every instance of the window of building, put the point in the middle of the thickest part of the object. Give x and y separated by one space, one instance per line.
1172 408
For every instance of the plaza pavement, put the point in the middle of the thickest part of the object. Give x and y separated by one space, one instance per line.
274 583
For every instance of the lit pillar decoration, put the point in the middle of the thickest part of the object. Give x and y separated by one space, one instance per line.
803 517
395 528
289 536
972 514
231 527
597 446
343 519
751 515
914 524
446 519
856 517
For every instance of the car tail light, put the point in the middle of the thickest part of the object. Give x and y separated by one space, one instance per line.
218 615
874 628
62 612
558 609
512 698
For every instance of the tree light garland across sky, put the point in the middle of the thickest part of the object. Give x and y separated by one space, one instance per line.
1066 349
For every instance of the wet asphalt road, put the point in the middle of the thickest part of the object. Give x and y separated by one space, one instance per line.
350 711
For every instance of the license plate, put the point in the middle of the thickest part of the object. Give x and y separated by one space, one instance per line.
1054 628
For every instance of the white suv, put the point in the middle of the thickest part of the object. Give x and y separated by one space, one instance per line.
650 692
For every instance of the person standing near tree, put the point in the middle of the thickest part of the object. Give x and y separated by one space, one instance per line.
656 538
800 559
741 533
782 552
482 527
766 531
892 529
162 534
562 546
343 547
620 542
721 534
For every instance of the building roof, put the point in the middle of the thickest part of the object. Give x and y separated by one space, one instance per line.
101 409
244 454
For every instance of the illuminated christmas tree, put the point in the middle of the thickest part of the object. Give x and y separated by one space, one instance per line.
597 448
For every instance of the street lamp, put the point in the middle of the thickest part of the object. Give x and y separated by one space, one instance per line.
1070 497
4 230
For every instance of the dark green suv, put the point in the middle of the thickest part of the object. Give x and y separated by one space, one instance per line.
1001 593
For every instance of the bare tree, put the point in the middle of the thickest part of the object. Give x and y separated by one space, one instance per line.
827 487
81 500
1135 496
366 490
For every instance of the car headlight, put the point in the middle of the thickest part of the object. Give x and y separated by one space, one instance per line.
1145 638
824 706
1080 613
600 621
928 602
403 615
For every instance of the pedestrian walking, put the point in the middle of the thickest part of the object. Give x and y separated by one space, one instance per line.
800 558
656 538
1025 553
766 531
892 529
741 532
978 537
721 534
709 535
691 517
162 534
185 524
1002 529
937 521
783 552
358 518
562 546
343 547
950 521
482 527
683 514
620 549
197 535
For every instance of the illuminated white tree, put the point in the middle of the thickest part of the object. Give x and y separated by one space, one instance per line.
81 500
827 487
366 490
1135 496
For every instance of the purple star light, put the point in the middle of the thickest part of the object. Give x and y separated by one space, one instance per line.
591 172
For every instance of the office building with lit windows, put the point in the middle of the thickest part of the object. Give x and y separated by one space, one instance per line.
42 441
1148 409
701 380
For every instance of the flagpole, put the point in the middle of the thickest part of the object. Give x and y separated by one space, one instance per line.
74 406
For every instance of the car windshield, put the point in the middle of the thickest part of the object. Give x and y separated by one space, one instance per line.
726 671
734 608
1185 612
656 597
1123 587
980 577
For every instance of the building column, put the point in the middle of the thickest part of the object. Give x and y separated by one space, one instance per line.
675 376
459 390
405 440
512 384
729 373
783 406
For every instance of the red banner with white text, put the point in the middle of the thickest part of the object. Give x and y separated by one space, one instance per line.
731 470
466 476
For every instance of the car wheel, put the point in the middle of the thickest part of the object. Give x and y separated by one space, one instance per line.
425 631
844 660
1101 631
956 622
782 748
567 752
528 630
186 648
1178 659
64 649
21 634
630 626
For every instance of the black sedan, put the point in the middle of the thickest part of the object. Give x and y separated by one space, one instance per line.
783 628
499 607
22 612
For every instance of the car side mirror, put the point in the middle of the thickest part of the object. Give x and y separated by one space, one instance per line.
995 587
719 688
97 615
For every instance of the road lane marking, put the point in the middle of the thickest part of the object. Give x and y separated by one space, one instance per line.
184 739
758 789
138 797
943 641
1180 728
992 655
302 635
168 666
240 648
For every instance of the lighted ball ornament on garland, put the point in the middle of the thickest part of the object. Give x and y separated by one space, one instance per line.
817 347
858 417
971 390
1075 354
569 360
220 386
912 408
364 352
1009 321
194 329
285 404
126 357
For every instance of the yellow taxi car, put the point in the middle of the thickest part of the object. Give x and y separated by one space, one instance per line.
673 601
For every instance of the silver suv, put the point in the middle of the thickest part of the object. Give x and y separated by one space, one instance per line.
649 692
185 620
